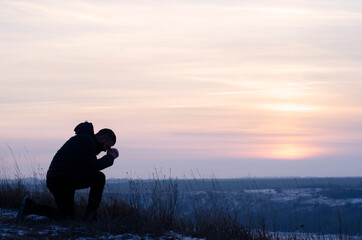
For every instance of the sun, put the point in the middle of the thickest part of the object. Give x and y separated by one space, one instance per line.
290 151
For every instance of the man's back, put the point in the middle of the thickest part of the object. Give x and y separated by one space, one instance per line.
71 156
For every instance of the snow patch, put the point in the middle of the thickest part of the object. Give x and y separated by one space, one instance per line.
262 191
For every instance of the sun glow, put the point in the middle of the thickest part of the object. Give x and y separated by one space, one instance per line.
290 151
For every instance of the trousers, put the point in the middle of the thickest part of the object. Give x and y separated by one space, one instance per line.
63 189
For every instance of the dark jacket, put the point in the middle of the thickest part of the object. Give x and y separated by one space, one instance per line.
79 153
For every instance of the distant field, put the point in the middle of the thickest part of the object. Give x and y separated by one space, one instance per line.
247 183
318 205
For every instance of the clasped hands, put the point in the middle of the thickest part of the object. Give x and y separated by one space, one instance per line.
113 152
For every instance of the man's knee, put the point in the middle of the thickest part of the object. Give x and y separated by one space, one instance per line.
101 179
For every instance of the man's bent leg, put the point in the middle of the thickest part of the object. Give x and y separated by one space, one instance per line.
96 192
96 181
64 198
77 180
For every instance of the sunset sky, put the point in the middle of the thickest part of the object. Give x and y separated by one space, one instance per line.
218 87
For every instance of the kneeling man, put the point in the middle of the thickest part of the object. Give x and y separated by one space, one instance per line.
75 166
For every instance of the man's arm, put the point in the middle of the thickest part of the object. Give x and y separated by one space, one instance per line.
105 161
89 157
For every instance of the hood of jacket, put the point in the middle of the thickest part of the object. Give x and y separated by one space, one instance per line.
84 128
87 128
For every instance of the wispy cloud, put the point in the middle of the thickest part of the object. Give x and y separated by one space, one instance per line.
290 107
65 12
296 13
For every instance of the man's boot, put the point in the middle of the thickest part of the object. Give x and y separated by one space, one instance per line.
27 207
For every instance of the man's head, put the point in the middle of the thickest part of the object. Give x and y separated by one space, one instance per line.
106 139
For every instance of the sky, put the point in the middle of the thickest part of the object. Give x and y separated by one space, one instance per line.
200 88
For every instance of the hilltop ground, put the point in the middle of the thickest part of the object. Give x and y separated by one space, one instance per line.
36 227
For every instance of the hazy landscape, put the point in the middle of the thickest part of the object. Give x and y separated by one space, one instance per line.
266 208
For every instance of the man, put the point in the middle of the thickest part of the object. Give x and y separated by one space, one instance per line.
75 166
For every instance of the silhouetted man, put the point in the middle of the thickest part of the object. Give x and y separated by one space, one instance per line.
75 166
